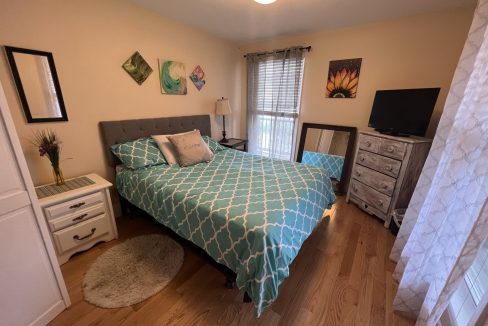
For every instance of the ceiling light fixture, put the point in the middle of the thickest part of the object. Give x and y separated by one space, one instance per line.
265 2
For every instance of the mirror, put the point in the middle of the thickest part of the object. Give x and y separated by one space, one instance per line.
37 84
328 147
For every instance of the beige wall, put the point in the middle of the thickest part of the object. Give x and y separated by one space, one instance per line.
90 40
414 52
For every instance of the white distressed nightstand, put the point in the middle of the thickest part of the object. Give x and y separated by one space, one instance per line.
78 218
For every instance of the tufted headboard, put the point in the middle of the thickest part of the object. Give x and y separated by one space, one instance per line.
116 132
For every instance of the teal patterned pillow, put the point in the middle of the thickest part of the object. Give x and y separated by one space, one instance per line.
139 153
214 145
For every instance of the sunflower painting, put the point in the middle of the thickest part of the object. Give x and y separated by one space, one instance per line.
343 78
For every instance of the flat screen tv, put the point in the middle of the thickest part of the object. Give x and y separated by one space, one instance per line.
403 112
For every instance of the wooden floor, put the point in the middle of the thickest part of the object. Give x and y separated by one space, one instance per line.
342 276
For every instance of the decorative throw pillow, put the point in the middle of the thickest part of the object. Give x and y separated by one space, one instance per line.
139 153
166 147
190 148
213 145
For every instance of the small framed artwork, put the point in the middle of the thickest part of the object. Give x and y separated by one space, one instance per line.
198 77
343 78
137 68
172 77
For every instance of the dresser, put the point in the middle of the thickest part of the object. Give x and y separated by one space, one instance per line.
78 218
385 172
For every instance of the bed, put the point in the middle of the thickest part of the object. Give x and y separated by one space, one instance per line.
249 213
331 163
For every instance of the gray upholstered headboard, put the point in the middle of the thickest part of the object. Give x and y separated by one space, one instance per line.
116 132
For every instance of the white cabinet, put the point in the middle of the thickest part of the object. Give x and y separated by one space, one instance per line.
81 217
32 290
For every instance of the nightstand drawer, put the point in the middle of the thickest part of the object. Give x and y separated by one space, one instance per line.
393 149
81 233
73 206
370 196
376 180
379 163
76 217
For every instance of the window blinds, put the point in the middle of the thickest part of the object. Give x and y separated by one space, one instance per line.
274 93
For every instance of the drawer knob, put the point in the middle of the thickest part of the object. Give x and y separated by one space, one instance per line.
361 158
380 203
384 185
77 205
77 237
389 168
358 173
355 188
390 149
82 216
368 143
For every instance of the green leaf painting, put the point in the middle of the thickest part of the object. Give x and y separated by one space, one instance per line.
173 77
137 68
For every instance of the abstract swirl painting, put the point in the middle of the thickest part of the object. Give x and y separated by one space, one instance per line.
198 77
172 76
137 68
343 78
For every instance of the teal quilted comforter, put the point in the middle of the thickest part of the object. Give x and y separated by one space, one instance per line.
249 213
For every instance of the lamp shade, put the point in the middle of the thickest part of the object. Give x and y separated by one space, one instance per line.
223 107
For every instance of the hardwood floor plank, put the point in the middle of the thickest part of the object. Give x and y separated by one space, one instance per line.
341 276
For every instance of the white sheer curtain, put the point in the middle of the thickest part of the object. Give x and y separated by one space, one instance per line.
274 84
447 219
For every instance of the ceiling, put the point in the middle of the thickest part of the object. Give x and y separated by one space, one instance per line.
244 20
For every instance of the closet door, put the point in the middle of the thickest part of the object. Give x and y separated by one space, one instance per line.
32 290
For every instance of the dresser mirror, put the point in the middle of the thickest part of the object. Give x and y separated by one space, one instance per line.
328 147
37 83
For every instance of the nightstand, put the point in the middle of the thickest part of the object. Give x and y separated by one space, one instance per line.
235 143
79 214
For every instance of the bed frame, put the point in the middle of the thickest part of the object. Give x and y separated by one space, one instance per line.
116 132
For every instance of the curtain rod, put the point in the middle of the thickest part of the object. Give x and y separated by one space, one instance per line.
305 48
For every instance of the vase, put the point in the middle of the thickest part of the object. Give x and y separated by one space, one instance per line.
58 176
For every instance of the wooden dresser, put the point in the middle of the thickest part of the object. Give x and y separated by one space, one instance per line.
385 172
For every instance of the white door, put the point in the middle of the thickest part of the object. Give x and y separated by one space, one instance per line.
32 290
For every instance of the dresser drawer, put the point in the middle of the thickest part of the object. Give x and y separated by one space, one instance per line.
368 208
369 143
76 217
81 233
393 149
379 163
73 206
370 196
376 180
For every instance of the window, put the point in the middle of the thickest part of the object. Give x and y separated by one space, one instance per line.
274 93
470 297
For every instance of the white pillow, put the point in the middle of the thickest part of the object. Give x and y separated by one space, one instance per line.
191 149
166 147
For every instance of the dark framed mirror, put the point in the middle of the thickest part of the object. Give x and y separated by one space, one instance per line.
37 83
331 148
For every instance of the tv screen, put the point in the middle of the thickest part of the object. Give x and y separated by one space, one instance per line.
403 111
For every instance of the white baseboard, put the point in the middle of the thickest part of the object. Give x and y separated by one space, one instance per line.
50 314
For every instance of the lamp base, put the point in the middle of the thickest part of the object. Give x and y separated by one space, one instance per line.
224 140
